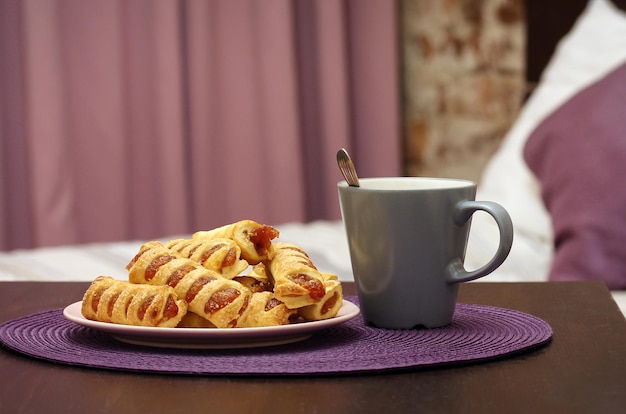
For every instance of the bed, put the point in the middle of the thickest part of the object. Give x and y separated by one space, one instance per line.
573 47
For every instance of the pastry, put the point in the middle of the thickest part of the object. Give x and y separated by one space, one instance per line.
329 305
265 310
219 254
207 293
297 282
121 302
254 239
256 280
193 320
199 282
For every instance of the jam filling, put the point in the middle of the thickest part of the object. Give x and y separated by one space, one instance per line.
144 307
197 287
178 274
330 303
221 299
207 254
112 304
171 308
230 258
314 286
262 238
155 265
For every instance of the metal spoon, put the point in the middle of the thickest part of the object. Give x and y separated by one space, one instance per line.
347 168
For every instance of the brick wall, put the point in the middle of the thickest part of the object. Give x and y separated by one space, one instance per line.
463 82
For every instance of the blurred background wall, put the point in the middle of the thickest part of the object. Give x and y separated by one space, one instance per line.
463 75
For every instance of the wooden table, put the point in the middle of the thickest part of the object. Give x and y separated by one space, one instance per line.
583 369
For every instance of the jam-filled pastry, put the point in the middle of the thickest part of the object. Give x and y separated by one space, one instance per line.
193 320
256 280
254 239
330 304
207 293
121 302
265 310
219 254
297 282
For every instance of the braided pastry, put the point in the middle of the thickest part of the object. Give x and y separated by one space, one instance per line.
193 320
219 254
297 282
254 239
116 301
207 293
329 305
256 280
265 310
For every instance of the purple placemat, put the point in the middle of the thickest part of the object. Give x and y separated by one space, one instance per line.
477 333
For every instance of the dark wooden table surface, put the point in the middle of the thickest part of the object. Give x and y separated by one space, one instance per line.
583 369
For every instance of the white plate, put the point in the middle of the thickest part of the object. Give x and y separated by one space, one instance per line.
212 338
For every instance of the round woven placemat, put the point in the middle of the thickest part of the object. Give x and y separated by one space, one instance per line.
477 333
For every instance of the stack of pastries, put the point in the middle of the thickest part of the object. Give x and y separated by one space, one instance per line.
232 276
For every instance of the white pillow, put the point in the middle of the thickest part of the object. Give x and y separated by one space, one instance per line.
595 46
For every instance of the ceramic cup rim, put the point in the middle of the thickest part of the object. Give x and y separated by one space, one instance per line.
383 184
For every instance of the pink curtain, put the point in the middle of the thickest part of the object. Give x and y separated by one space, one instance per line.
137 119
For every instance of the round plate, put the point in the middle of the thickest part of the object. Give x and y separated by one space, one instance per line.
212 338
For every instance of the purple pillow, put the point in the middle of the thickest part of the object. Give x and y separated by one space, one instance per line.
578 153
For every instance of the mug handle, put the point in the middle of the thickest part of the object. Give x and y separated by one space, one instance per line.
463 211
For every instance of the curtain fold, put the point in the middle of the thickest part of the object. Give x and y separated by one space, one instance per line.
147 118
15 198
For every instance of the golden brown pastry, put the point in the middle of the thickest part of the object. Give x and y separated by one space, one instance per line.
193 320
330 304
121 302
265 310
219 254
207 293
256 280
297 282
254 239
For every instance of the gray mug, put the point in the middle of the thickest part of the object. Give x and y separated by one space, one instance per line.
407 238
